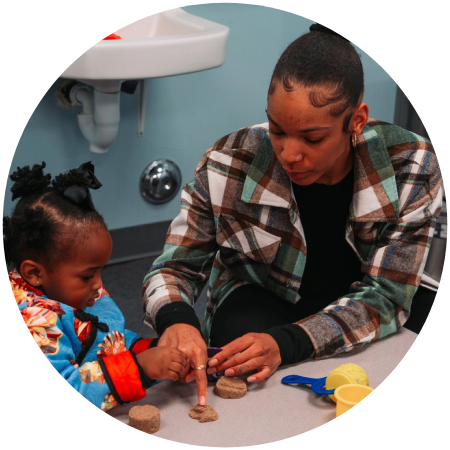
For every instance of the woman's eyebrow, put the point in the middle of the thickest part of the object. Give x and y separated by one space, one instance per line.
270 118
309 130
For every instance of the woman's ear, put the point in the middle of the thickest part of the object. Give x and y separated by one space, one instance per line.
32 272
360 118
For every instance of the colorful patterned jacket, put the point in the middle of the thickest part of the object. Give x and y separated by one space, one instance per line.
239 224
104 370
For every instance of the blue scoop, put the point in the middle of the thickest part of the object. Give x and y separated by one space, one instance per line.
317 384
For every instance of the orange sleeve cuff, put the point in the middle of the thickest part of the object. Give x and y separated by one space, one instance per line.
122 375
141 345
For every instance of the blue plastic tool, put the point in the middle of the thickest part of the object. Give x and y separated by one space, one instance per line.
317 384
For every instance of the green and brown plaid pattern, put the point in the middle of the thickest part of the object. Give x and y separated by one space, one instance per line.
239 224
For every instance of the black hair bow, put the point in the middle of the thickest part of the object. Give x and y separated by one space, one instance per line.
79 193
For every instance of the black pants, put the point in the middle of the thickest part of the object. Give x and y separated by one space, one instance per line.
420 308
251 308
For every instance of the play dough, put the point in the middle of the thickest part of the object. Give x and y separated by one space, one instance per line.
203 413
145 418
346 374
230 387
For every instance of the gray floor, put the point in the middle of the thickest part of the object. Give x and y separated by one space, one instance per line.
124 284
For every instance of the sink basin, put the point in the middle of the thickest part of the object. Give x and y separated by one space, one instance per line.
173 42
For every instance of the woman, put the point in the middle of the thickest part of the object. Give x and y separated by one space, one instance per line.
313 229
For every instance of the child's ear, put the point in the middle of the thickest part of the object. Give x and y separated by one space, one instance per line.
32 272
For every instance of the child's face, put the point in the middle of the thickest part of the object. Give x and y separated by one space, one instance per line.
76 281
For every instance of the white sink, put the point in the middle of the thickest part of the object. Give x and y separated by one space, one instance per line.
169 43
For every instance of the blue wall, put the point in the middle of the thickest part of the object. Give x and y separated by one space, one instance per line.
185 114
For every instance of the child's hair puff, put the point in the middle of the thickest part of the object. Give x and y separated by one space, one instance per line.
28 181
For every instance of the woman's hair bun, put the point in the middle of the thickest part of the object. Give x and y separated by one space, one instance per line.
29 181
322 29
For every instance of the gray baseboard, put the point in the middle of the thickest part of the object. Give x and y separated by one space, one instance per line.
138 242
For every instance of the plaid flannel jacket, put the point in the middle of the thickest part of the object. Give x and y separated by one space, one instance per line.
239 224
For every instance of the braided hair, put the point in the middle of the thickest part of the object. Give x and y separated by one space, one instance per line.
322 59
49 215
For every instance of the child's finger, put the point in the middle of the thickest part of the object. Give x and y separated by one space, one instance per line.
179 357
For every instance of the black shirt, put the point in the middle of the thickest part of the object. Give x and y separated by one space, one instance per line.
331 264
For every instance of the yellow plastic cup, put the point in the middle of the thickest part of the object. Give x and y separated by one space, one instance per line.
348 395
348 373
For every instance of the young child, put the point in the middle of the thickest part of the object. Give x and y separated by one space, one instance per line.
58 244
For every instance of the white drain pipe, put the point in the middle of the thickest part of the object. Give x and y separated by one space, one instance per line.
99 117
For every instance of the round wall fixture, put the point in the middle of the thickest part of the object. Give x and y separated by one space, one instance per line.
160 181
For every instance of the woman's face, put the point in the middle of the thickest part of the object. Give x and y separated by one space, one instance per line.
309 142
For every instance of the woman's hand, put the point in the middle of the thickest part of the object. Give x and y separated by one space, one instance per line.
188 339
253 351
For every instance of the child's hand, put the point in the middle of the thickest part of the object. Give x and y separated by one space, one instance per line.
164 363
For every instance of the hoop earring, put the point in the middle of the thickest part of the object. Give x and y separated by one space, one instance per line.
354 140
